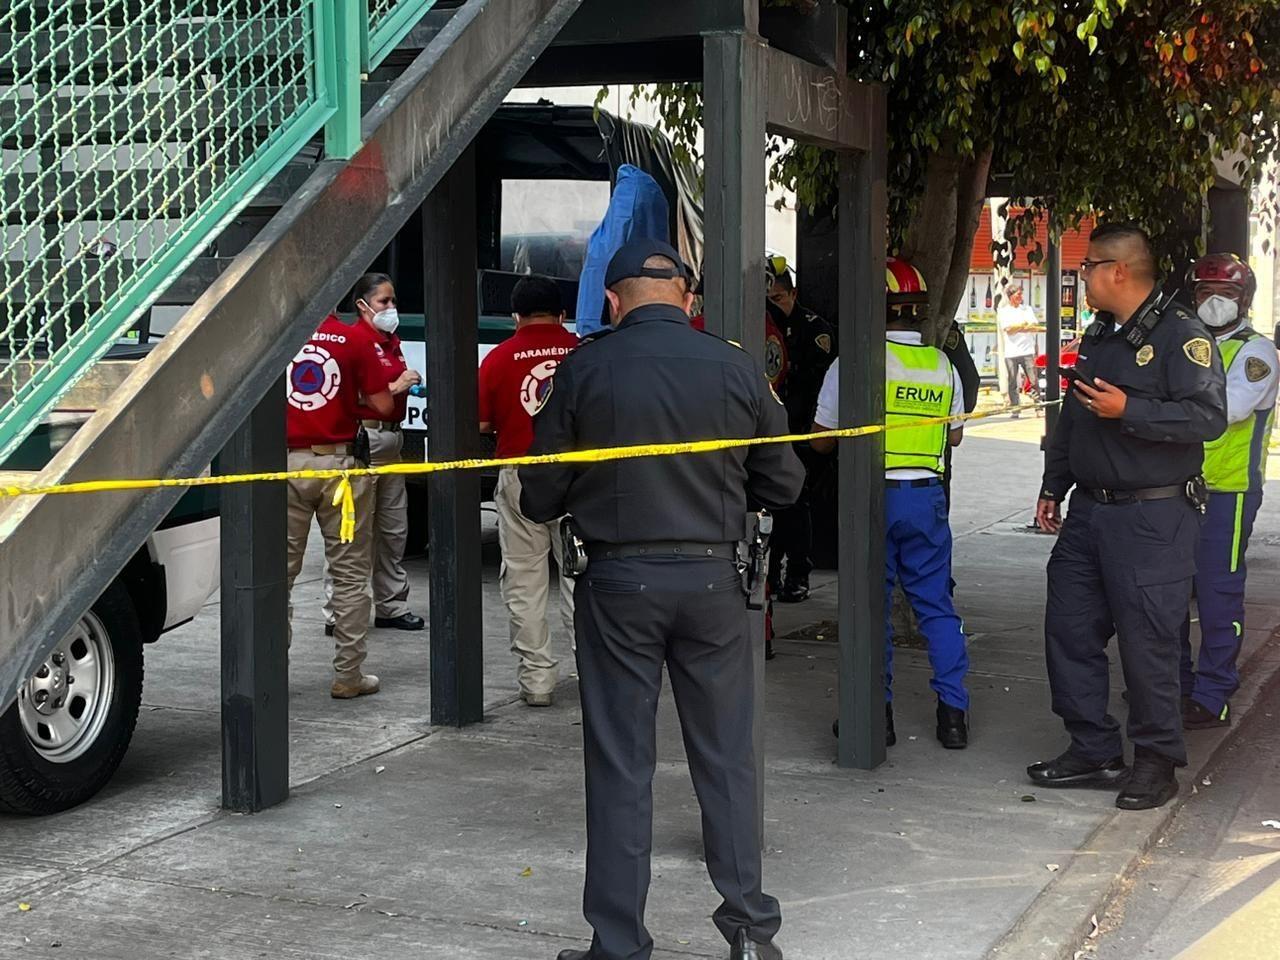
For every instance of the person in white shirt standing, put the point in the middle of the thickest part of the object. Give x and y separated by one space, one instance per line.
1017 323
920 385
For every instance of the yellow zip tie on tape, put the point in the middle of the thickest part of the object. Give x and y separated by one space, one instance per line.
344 496
603 455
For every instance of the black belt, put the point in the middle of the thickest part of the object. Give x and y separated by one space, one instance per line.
662 548
917 482
1132 496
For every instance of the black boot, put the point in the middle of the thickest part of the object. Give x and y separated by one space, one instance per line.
794 591
744 948
1069 770
890 736
953 730
1196 716
573 955
1151 784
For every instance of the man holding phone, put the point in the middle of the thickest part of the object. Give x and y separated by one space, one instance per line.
1149 392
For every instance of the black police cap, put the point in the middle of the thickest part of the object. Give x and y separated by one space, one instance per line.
628 262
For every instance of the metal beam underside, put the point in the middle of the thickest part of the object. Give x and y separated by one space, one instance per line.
184 401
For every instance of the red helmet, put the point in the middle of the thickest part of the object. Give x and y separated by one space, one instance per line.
904 285
1229 269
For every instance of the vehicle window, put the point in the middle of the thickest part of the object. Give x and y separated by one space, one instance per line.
546 224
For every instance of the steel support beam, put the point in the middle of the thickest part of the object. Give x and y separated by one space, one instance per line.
862 221
607 21
184 401
255 615
733 263
1052 334
453 505
815 104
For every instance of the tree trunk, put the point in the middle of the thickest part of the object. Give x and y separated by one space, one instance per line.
939 239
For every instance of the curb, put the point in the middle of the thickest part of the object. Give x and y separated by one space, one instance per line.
1058 923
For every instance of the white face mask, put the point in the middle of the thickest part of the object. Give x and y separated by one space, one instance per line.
1218 311
385 320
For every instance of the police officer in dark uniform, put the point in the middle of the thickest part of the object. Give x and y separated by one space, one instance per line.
662 585
810 346
1130 439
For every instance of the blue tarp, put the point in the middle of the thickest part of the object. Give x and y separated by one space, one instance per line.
638 208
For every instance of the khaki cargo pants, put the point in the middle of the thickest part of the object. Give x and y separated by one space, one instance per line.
348 562
390 532
525 582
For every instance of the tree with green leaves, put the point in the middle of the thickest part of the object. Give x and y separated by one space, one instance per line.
1118 108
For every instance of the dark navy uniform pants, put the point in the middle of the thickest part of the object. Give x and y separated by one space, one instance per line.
1123 570
1220 579
631 617
793 531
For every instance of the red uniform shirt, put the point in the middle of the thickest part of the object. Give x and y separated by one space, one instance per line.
387 348
324 383
515 381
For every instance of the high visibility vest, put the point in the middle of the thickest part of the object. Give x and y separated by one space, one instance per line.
1237 461
918 386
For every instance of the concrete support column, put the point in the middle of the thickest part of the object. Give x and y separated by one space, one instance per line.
861 252
734 90
449 276
255 614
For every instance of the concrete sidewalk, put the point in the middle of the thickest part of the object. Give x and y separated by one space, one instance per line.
401 841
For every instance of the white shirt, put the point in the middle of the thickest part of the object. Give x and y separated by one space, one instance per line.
1016 344
828 415
1245 396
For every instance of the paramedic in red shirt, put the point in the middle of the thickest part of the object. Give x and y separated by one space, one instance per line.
374 298
515 381
328 380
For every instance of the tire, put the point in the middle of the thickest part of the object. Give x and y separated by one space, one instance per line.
59 743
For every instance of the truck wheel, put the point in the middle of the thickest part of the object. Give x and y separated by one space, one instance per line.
66 734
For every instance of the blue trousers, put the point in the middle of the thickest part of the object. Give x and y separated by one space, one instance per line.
917 552
1220 577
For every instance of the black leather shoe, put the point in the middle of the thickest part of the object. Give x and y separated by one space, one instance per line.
744 948
1196 716
794 591
1152 783
406 621
1069 770
328 629
890 736
573 955
953 729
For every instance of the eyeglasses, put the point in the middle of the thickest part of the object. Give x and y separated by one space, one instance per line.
1087 265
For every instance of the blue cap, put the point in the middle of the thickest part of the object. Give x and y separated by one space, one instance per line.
628 262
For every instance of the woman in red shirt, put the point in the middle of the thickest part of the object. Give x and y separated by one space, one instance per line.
374 298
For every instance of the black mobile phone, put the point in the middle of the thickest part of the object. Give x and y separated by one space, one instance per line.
1072 375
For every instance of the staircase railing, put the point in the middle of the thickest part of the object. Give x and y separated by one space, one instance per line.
132 132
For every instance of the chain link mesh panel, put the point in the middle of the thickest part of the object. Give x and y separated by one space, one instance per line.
131 132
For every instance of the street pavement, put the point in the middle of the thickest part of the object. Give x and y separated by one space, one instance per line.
404 841
1210 887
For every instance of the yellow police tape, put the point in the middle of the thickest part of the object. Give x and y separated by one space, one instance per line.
343 495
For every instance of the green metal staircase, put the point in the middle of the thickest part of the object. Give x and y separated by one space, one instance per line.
139 138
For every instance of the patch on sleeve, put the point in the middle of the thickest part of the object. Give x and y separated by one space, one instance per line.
1145 355
823 341
953 339
1255 369
1199 351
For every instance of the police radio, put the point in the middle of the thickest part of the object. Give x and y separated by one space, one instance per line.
1145 320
